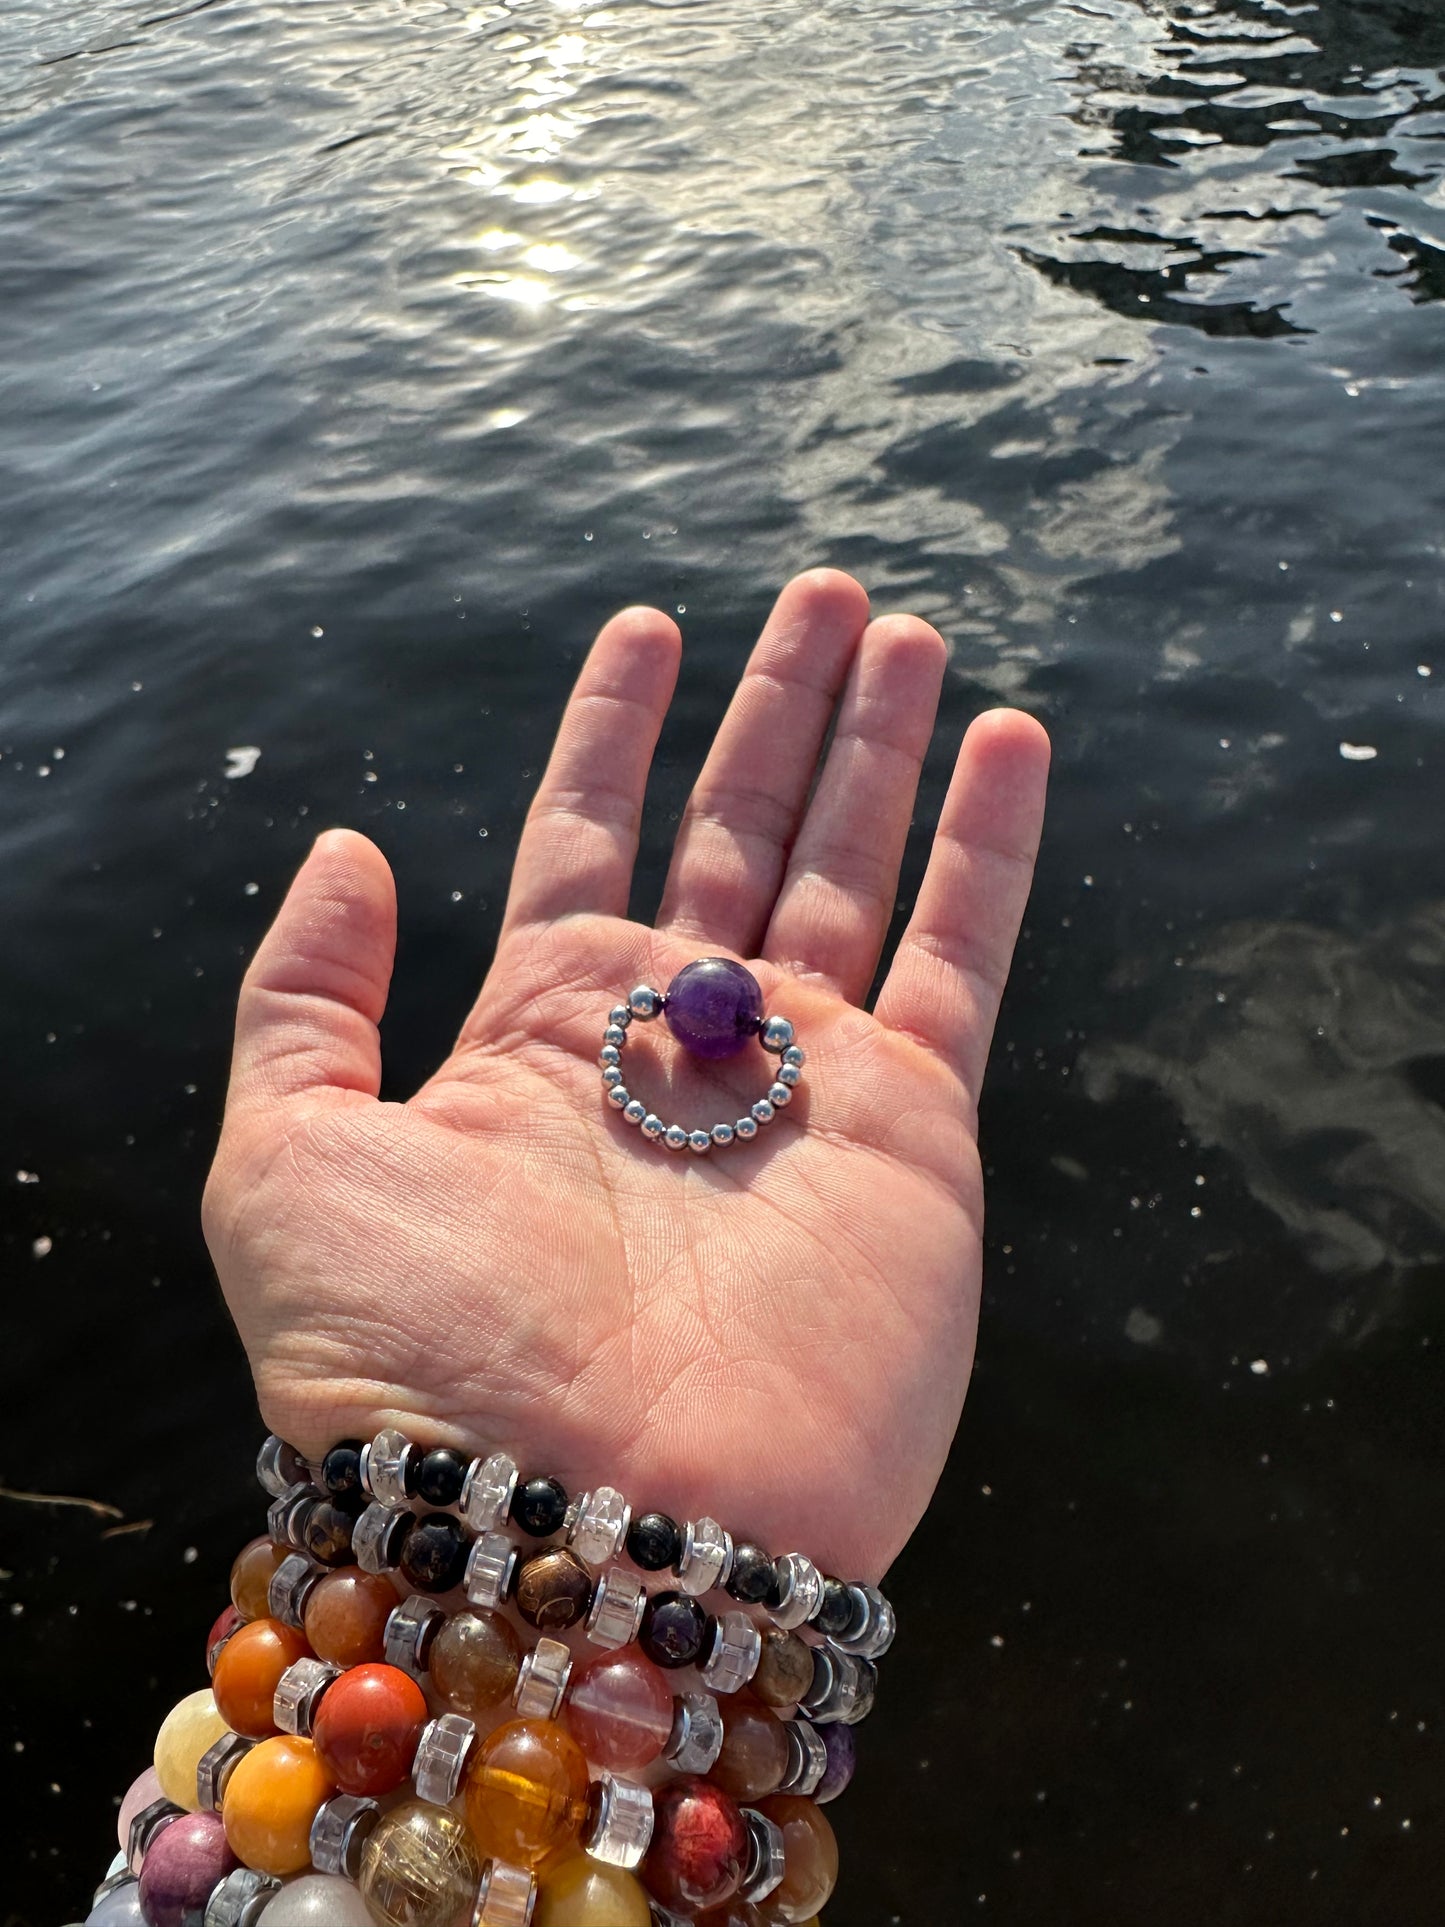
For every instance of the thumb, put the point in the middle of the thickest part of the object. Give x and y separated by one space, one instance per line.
313 996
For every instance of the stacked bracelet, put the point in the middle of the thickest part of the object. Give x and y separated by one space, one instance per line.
365 1755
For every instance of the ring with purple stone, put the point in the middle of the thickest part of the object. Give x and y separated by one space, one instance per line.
713 1008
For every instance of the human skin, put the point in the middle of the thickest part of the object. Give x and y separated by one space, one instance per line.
778 1334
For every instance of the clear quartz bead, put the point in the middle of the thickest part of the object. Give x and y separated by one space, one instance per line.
298 1694
279 1465
542 1680
837 1684
491 1569
807 1759
707 1557
377 1535
446 1747
617 1607
766 1862
506 1897
410 1633
240 1899
618 1829
487 1493
600 1526
291 1585
340 1831
871 1638
385 1463
215 1767
285 1511
737 1646
800 1591
697 1733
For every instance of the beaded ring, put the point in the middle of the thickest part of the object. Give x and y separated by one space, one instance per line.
712 1007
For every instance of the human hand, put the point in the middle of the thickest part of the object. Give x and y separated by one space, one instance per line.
778 1334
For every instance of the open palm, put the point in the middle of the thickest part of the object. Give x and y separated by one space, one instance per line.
778 1333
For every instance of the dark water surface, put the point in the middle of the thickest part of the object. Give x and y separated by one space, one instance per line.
356 361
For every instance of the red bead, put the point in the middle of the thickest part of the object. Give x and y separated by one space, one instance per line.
226 1624
367 1728
699 1846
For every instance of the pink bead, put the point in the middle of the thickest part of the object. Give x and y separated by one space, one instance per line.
184 1864
619 1708
146 1789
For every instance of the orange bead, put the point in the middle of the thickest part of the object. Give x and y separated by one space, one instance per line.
526 1791
810 1849
247 1670
367 1728
271 1801
346 1616
251 1576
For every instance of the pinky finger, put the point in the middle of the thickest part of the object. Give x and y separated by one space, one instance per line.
953 961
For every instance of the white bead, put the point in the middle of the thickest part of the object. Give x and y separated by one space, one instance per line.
644 1002
795 1057
700 1141
746 1128
600 1526
707 1557
763 1111
634 1111
779 1095
653 1126
617 1607
619 1821
487 1491
316 1900
675 1138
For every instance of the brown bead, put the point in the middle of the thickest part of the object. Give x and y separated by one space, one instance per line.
251 1576
554 1590
785 1670
811 1852
474 1662
754 1754
346 1617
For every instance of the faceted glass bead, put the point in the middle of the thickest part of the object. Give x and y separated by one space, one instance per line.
379 1537
619 1707
326 1534
345 1617
411 1632
542 1680
142 1792
318 1900
491 1570
785 1670
238 1899
811 1853
447 1745
248 1671
618 1603
618 1827
474 1661
751 1578
367 1729
435 1554
390 1466
292 1584
577 1891
420 1869
673 1629
654 1542
706 1560
754 1755
279 1466
731 1656
340 1831
842 1750
699 1846
271 1800
251 1577
118 1909
442 1476
341 1470
697 1733
539 1507
191 1727
714 1007
526 1791
184 1862
797 1591
553 1590
487 1491
600 1525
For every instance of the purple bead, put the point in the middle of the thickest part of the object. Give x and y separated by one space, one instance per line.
183 1866
842 1756
713 1007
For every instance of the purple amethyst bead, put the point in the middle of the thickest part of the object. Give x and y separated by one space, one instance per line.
183 1866
713 1007
842 1756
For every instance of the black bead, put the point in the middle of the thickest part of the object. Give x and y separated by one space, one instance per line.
326 1534
674 1628
435 1555
393 1543
341 1469
539 1507
654 1542
835 1614
442 1475
751 1576
773 1597
411 1464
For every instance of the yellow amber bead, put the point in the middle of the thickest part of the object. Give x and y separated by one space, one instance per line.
576 1891
271 1800
526 1791
190 1729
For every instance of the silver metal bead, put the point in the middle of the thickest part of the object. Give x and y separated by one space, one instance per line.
763 1111
216 1766
542 1680
340 1831
800 1591
289 1508
609 1057
706 1559
723 1133
506 1896
746 1128
776 1035
279 1465
491 1570
780 1096
619 1016
795 1057
291 1585
737 1647
766 1862
611 1076
442 1755
240 1899
614 1034
634 1112
790 1075
299 1692
697 1733
644 1002
410 1634
599 1526
487 1491
699 1141
807 1759
618 1603
385 1463
618 1828
619 1097
675 1138
653 1126
378 1536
